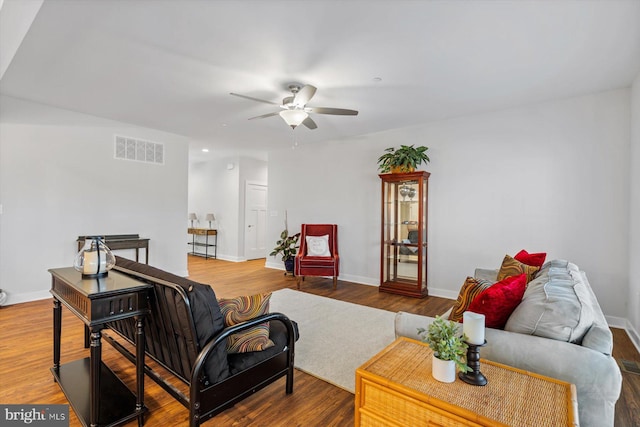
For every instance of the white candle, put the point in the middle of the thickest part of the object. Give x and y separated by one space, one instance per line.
91 266
473 327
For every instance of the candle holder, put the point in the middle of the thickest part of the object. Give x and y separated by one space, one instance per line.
474 377
95 259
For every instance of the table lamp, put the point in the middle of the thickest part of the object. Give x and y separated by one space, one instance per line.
210 217
193 217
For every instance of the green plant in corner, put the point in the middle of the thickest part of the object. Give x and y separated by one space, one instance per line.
404 159
287 246
444 339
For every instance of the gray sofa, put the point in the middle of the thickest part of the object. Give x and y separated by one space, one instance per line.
559 331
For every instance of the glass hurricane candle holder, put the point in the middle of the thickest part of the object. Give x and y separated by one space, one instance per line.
95 259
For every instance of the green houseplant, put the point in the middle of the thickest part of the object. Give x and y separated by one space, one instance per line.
445 340
404 159
287 246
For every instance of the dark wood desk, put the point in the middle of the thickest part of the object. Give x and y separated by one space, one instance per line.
96 394
122 241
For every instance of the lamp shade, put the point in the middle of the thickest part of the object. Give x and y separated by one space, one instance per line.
210 217
294 117
193 216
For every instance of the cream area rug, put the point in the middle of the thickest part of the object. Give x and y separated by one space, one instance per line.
336 337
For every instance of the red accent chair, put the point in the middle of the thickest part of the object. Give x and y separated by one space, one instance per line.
309 265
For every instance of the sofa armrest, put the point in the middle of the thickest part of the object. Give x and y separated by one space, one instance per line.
597 376
486 274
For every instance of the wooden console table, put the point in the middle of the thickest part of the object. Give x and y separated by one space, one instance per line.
396 388
122 241
206 232
96 394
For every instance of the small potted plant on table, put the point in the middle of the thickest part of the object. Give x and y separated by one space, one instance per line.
449 348
404 159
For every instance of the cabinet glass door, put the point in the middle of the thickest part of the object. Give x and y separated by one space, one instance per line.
404 234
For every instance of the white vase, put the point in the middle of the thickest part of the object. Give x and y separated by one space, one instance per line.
443 370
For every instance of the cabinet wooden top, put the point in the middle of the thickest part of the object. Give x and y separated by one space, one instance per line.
202 231
408 176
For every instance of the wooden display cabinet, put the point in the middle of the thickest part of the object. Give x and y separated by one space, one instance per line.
403 257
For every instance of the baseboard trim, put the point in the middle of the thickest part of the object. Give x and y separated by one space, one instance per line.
616 322
633 335
27 297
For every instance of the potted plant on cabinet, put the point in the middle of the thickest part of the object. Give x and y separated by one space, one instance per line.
449 348
404 159
287 246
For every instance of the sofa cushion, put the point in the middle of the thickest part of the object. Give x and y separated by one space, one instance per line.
557 305
242 309
316 261
512 267
599 337
536 260
205 312
499 300
470 289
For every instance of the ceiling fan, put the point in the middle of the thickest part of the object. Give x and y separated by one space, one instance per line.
294 108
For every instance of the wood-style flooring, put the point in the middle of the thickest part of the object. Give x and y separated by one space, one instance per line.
26 355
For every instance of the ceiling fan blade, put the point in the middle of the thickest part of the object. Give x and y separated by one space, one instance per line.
336 111
304 95
264 115
308 122
253 99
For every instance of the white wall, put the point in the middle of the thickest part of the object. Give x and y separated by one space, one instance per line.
634 214
217 186
552 177
59 180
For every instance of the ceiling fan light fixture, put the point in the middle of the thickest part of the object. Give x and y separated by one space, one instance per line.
294 117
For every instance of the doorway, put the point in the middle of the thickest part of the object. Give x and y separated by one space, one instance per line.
255 220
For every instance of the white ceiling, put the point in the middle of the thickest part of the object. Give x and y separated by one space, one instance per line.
171 64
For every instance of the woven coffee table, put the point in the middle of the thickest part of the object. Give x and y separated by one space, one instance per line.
395 388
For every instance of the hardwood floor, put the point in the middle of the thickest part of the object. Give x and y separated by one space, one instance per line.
26 356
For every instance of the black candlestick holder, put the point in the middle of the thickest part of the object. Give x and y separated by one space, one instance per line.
473 377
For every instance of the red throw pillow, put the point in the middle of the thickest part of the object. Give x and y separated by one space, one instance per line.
498 301
535 260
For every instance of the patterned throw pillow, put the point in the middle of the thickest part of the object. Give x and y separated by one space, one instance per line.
241 309
471 288
513 267
500 300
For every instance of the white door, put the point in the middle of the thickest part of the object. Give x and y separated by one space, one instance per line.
255 219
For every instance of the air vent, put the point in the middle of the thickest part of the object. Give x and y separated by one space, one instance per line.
138 150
